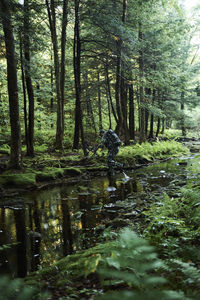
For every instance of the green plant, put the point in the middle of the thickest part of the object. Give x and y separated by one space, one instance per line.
149 152
16 289
132 268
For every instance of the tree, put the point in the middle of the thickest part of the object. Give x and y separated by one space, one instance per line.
29 86
15 155
77 76
59 68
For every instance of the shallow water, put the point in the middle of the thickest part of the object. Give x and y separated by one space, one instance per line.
43 226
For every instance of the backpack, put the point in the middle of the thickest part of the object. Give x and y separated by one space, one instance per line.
113 137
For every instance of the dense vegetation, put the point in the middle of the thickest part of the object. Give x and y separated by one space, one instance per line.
74 67
70 68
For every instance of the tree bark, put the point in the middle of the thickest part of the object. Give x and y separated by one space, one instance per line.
30 131
63 48
76 61
158 121
15 155
109 92
151 134
141 90
99 103
117 86
147 93
90 118
131 113
24 92
77 76
183 128
52 23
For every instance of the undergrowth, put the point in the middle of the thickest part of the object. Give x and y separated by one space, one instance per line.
150 152
174 229
16 289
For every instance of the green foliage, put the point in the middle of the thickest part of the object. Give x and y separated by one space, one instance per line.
18 180
149 152
134 265
16 289
7 246
49 173
174 228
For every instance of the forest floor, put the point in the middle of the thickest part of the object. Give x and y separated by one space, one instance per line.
54 167
70 277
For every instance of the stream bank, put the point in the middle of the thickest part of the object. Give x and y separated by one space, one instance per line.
128 206
79 217
55 168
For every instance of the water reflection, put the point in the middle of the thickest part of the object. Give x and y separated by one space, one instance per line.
19 215
50 224
53 223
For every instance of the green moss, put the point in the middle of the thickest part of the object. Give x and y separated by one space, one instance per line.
49 174
54 173
18 180
96 168
150 152
72 171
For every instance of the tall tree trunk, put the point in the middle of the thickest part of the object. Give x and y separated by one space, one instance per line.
62 71
30 132
117 87
15 155
109 110
158 127
99 103
151 134
77 76
158 121
52 23
90 118
183 128
76 61
131 113
120 83
141 91
109 92
24 91
147 93
123 98
51 101
123 86
163 126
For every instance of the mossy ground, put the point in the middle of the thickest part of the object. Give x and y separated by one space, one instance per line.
56 165
70 275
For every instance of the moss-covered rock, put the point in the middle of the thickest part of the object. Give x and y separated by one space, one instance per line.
49 174
73 171
18 180
53 173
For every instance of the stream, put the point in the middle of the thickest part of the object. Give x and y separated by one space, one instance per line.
42 226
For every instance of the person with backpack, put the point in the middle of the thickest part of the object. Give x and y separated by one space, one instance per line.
111 141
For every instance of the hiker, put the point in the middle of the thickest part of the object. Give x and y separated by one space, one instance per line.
111 141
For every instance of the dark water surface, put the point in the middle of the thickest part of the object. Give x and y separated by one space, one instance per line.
43 226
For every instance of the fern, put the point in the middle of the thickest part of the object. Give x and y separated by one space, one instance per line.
134 265
16 289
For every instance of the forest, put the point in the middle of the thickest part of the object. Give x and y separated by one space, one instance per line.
68 69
